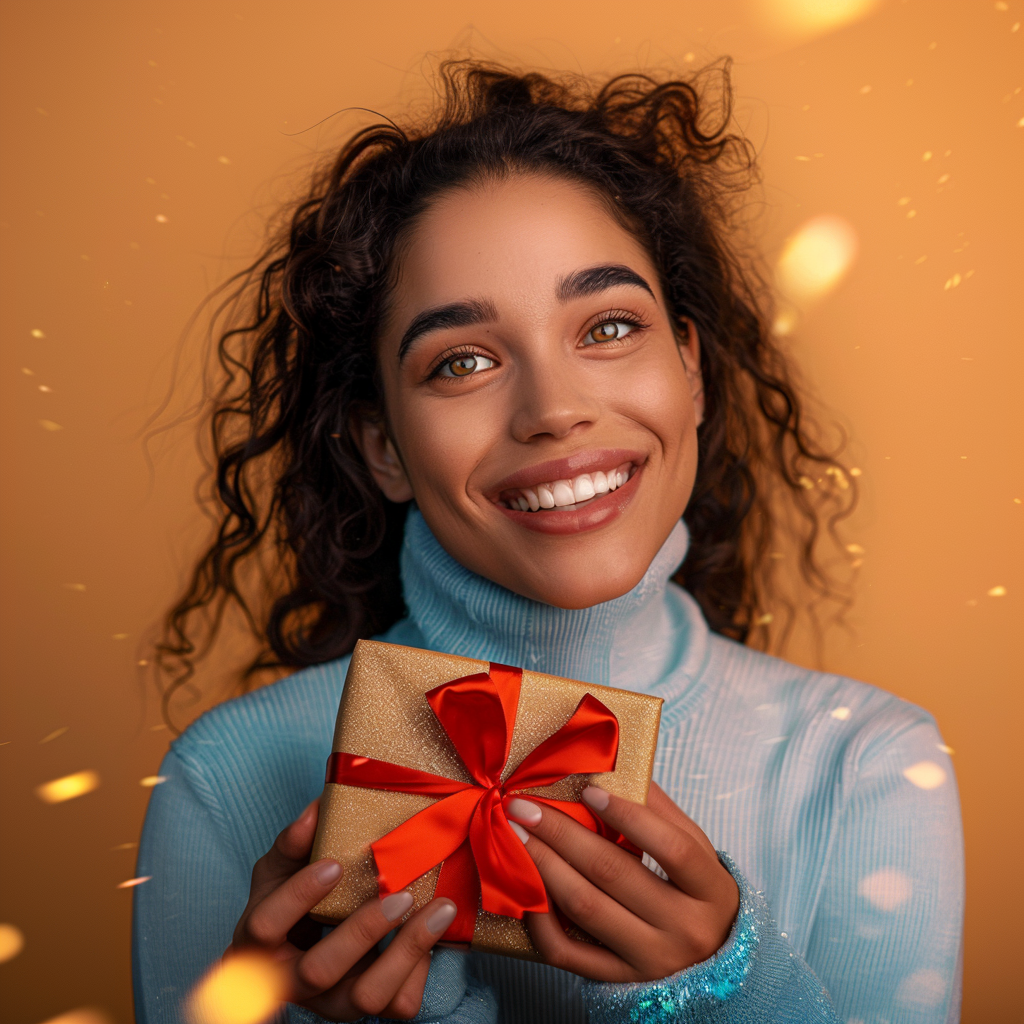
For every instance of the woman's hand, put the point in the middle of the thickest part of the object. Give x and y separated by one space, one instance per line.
341 976
650 928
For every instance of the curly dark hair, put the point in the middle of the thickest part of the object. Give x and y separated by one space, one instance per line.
291 494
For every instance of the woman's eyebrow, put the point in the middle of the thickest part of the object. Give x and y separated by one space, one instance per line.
597 279
439 318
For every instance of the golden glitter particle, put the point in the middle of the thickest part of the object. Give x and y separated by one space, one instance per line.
132 882
865 89
86 1015
50 425
125 846
943 179
946 750
1017 501
806 483
856 563
152 780
927 155
842 714
12 942
925 775
36 333
839 476
142 661
28 373
1015 26
855 471
855 549
764 620
785 322
997 592
45 389
911 214
1020 123
75 586
161 219
1002 6
903 201
68 787
223 160
119 636
56 732
246 988
804 159
816 258
953 282
689 57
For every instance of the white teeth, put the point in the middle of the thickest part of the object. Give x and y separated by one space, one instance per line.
562 491
583 487
569 493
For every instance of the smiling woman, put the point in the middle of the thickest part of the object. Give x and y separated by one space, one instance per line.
507 392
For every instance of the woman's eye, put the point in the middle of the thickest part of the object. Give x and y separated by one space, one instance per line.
463 366
609 330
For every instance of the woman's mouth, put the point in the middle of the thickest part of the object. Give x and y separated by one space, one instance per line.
569 494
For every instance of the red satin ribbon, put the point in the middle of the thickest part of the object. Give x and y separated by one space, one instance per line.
484 862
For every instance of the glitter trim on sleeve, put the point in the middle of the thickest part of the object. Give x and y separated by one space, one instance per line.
755 978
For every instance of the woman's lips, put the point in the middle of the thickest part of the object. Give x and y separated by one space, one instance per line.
581 515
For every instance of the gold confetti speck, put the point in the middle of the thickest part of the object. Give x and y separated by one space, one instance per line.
942 180
36 333
247 988
68 787
806 483
911 214
953 282
855 549
856 563
161 219
45 389
28 373
764 620
842 714
689 57
927 155
143 662
86 1015
223 160
804 159
12 942
1001 5
50 425
152 780
74 586
1017 501
1015 26
132 882
855 471
997 592
56 732
945 749
903 201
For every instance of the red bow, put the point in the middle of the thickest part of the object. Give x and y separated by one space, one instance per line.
467 829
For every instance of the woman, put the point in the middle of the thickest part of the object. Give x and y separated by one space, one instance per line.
506 393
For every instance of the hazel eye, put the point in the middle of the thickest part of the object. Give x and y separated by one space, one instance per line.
464 365
609 330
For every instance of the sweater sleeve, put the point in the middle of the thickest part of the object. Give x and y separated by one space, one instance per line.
185 914
886 939
755 978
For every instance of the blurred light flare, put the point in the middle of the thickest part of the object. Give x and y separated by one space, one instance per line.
152 780
12 942
68 787
886 889
246 988
815 259
130 883
85 1015
812 17
925 775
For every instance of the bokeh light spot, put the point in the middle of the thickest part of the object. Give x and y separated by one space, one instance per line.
132 882
68 787
152 780
243 989
816 259
922 988
12 942
842 714
997 592
811 17
886 889
925 775
86 1015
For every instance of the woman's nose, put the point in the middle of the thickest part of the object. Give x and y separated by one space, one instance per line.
550 404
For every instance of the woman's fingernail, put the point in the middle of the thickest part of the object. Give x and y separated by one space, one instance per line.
441 918
328 871
519 831
396 905
524 811
596 798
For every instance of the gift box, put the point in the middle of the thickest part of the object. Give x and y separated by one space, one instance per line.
426 749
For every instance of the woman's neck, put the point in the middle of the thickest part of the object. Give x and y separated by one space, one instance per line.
632 641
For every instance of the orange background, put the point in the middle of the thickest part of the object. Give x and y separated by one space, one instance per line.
117 112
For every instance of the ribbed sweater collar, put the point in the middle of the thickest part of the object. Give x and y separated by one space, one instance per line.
635 641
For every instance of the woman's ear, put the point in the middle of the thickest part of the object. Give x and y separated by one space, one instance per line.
689 351
381 457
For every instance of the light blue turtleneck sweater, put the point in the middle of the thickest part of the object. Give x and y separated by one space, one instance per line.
834 803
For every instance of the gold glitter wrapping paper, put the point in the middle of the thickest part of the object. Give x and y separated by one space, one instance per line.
384 715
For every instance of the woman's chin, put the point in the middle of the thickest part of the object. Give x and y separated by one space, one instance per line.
573 582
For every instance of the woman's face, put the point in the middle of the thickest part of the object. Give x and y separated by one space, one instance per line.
540 408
